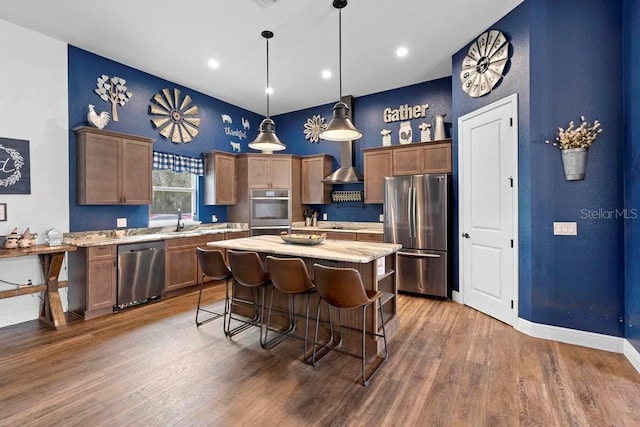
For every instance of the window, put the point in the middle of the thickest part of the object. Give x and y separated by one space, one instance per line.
172 191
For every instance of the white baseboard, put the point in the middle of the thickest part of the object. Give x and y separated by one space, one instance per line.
456 297
573 336
632 355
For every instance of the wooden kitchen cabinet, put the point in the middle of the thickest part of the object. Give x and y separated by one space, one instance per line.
370 237
428 157
377 165
340 235
267 171
113 168
437 158
92 281
314 170
181 268
219 178
410 159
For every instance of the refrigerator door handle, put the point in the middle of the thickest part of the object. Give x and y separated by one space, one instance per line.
415 208
418 255
409 210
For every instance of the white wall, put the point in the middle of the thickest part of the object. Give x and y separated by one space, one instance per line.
34 107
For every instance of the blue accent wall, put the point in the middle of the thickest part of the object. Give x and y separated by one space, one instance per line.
368 117
631 62
568 59
84 69
573 282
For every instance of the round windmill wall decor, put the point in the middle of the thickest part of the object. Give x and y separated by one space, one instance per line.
174 116
484 64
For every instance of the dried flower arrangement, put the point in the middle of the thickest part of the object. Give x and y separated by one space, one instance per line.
577 137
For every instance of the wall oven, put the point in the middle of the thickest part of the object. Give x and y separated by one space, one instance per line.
270 211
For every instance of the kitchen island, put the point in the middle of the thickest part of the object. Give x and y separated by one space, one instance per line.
376 263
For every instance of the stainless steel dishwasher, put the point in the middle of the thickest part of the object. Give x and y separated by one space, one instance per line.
140 273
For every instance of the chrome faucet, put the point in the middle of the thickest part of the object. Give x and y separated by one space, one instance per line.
179 226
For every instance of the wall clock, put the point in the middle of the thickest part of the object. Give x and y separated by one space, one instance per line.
176 118
483 66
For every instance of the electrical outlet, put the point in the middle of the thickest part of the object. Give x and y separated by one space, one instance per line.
565 228
324 216
121 222
214 218
381 217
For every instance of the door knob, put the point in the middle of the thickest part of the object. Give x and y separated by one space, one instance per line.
466 235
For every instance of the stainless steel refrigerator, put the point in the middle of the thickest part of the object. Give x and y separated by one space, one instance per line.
416 215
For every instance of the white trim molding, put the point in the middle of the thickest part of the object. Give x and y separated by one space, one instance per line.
632 355
576 337
457 297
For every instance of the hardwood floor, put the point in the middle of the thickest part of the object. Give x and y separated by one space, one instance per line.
449 365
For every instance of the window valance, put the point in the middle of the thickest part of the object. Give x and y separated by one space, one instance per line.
178 163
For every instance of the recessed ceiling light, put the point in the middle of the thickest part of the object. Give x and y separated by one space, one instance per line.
402 51
269 90
213 63
326 74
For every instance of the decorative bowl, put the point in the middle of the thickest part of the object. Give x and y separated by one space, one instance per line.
303 239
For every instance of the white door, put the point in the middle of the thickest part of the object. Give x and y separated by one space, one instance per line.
487 165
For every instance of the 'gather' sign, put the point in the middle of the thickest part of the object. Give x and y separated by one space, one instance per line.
404 112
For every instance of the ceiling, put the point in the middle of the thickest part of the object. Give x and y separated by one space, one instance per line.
175 40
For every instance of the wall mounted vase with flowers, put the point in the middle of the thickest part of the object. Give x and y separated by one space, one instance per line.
574 143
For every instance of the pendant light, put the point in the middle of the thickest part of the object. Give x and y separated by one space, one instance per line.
340 128
267 141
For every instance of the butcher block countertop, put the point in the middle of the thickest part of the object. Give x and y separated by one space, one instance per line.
334 250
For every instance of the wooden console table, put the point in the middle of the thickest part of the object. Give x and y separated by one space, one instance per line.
51 258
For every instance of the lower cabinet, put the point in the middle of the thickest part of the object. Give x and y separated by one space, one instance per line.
343 235
181 267
93 272
92 280
370 237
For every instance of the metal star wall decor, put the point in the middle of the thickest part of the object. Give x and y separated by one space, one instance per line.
176 118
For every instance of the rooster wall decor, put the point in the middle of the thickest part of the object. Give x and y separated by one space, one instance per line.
97 120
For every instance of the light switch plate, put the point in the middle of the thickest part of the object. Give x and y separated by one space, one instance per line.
381 218
324 216
565 228
121 222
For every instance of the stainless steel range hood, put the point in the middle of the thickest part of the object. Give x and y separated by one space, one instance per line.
346 173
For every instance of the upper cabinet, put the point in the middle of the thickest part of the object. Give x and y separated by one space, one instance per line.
113 168
219 178
265 171
377 164
409 159
422 158
269 171
314 170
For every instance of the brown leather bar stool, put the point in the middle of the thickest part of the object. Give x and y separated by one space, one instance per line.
342 288
289 276
247 271
212 264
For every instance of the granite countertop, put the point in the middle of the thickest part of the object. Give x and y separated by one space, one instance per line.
341 227
139 235
334 250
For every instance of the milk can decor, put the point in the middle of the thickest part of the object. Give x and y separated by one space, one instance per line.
574 143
